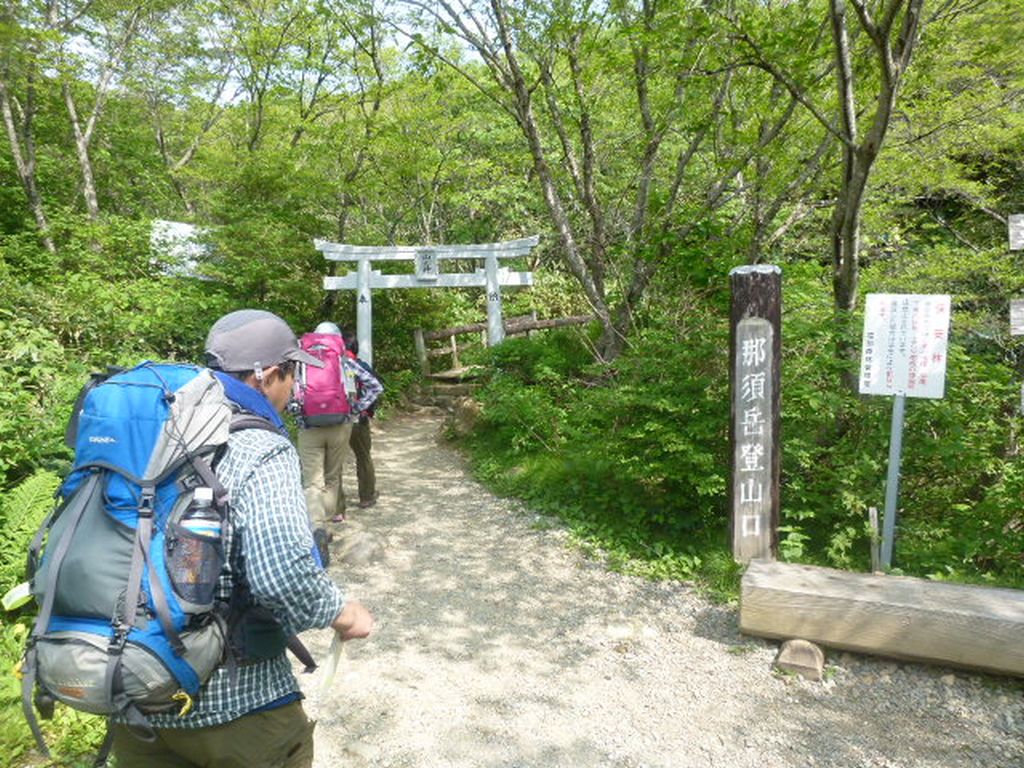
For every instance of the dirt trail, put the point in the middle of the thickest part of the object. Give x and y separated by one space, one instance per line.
498 645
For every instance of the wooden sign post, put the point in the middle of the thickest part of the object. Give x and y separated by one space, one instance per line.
427 275
903 353
755 346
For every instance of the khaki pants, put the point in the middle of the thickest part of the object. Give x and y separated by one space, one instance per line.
278 738
322 454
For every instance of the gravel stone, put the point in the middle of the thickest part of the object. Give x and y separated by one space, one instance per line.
499 645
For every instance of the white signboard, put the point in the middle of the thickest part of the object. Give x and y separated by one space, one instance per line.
904 345
1016 223
1017 317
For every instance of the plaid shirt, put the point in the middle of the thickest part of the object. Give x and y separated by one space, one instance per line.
268 510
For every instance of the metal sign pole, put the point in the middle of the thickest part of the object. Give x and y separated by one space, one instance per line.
892 482
903 354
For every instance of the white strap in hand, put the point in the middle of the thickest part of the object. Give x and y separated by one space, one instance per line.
331 667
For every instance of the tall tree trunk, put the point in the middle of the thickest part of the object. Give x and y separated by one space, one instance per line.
610 343
92 205
890 30
84 132
22 142
893 58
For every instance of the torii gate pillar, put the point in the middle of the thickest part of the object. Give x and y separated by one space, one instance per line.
495 326
364 313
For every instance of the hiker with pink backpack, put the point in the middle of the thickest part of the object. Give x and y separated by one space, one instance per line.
329 400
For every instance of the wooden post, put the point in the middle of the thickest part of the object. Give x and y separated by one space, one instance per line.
455 351
755 346
876 538
421 351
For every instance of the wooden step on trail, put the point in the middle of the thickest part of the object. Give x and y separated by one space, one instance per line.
899 616
443 394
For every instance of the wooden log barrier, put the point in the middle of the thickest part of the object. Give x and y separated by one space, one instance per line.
899 616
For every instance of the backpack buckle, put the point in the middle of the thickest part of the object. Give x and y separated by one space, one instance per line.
118 639
186 702
146 504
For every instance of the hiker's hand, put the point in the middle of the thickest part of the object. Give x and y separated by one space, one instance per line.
354 621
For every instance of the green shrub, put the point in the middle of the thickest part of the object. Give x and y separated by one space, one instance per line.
635 455
69 734
631 455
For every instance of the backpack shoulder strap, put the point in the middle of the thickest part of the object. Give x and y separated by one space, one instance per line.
95 379
244 420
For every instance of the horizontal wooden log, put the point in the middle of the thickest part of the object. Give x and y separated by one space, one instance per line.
553 322
512 326
898 616
456 330
442 351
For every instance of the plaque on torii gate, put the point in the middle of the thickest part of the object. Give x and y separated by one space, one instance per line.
428 274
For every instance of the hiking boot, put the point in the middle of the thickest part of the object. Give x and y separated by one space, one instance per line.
369 502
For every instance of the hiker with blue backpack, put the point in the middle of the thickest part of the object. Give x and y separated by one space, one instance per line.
328 401
179 564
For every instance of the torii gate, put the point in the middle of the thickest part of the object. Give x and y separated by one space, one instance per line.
427 275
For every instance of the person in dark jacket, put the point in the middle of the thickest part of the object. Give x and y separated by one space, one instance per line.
360 440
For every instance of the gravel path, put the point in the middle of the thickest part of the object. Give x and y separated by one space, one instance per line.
498 645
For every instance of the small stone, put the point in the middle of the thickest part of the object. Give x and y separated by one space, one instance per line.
948 679
620 631
465 415
801 657
362 750
1008 724
362 550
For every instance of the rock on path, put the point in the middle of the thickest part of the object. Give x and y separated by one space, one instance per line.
497 645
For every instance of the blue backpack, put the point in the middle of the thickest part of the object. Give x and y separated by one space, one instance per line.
128 620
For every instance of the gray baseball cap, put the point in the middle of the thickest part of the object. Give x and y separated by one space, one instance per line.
253 338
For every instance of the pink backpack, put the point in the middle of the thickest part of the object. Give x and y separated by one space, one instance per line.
321 390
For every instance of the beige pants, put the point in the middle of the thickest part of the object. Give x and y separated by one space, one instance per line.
322 454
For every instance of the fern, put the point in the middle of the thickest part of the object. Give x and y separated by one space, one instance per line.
22 509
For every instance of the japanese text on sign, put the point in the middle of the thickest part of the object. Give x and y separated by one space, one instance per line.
426 265
752 486
903 350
